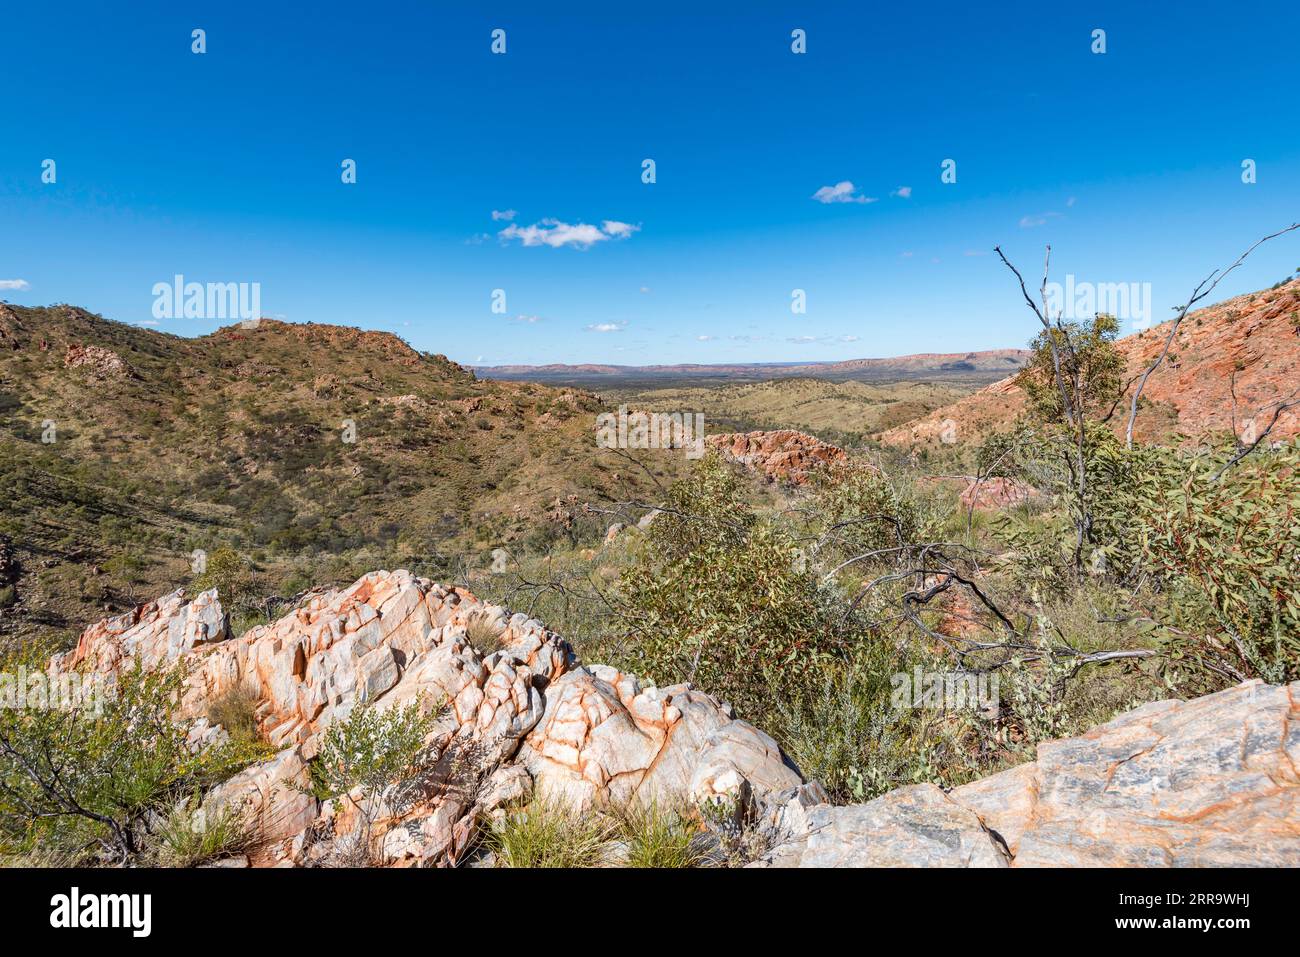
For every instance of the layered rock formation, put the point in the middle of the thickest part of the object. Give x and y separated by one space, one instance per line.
783 455
1209 782
523 714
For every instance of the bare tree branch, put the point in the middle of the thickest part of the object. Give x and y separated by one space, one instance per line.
1203 289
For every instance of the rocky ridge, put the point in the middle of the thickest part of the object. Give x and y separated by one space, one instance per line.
1212 781
1227 365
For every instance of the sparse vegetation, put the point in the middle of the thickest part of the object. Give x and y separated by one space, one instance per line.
549 833
88 776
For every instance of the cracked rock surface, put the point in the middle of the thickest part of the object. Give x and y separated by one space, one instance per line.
1203 783
1208 782
526 712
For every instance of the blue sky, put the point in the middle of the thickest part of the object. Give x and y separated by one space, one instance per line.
225 167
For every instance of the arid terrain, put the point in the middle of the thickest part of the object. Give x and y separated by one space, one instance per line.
1227 365
381 610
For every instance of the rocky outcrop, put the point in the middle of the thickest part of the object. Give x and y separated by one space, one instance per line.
1227 366
150 635
101 363
1203 783
606 739
1209 782
783 455
517 715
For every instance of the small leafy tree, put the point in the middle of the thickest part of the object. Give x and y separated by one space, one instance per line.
232 576
1073 384
89 773
371 749
726 598
1090 365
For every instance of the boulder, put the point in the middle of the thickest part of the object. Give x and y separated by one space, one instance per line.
519 716
1211 782
606 740
916 826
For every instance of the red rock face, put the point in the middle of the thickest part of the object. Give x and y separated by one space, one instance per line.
1226 366
783 455
100 362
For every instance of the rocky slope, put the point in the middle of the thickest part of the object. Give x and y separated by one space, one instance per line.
1249 345
1207 782
123 450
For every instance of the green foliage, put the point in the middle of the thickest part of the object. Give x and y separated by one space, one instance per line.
724 597
859 508
550 834
1227 547
188 837
89 774
230 574
658 837
841 730
371 749
1090 366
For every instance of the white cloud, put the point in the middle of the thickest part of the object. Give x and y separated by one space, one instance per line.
705 338
554 233
147 322
903 192
1037 219
14 284
841 192
506 214
523 318
478 239
645 289
607 327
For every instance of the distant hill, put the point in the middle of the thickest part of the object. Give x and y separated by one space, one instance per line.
984 366
1249 345
845 412
123 449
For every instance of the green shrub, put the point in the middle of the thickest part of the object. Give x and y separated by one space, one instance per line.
550 834
370 750
187 838
1226 548
658 837
725 598
89 775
